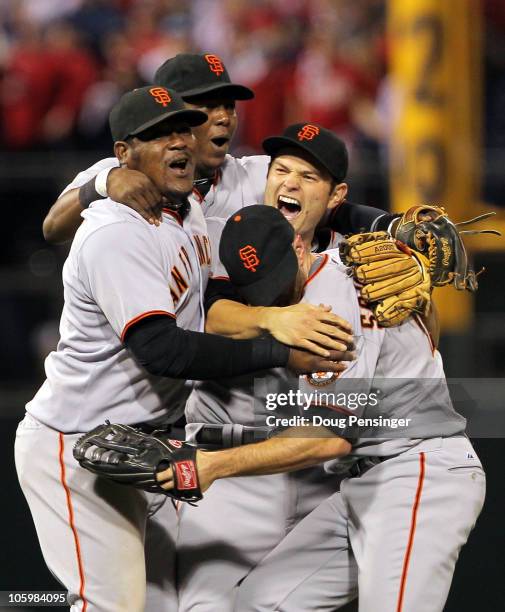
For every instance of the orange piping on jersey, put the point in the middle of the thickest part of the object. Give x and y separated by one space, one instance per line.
82 580
413 522
423 327
143 316
225 278
198 195
174 214
314 274
217 177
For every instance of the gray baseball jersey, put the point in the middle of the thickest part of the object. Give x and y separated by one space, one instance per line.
94 533
391 532
120 270
246 396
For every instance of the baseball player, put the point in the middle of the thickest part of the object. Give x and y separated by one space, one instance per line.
391 533
223 183
211 559
130 336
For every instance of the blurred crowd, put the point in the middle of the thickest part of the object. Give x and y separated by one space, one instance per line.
64 63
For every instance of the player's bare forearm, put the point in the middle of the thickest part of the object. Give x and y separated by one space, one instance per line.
63 218
304 326
235 320
297 448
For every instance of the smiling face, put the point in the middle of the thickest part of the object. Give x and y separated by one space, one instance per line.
215 134
301 190
166 154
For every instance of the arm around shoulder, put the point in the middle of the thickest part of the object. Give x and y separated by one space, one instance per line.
130 187
63 218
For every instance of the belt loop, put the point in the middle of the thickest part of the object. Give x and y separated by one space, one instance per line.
228 435
237 435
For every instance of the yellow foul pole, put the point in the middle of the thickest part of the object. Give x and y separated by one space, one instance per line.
436 85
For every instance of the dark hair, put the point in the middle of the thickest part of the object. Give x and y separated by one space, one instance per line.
333 180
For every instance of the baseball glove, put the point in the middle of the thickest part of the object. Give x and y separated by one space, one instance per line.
393 280
128 456
429 231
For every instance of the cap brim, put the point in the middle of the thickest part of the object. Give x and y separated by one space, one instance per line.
269 288
229 90
272 145
192 117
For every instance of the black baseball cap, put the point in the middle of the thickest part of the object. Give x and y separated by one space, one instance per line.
321 144
145 107
194 75
256 249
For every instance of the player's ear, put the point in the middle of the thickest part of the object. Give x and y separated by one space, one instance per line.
338 195
122 151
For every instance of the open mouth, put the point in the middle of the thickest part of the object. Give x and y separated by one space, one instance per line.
179 163
220 141
289 207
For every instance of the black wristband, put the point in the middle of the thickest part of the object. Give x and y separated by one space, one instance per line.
268 350
88 193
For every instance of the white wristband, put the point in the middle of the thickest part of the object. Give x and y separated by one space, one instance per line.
101 182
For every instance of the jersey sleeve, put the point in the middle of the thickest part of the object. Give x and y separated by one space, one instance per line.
355 218
124 273
327 395
86 175
256 167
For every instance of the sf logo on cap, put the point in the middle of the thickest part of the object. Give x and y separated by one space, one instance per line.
161 95
215 64
249 256
308 132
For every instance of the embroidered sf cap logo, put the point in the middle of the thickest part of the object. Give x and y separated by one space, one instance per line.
308 132
261 243
215 64
249 257
161 95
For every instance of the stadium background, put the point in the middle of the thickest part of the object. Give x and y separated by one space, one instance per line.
415 87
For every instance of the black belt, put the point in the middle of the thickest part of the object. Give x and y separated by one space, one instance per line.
366 463
229 435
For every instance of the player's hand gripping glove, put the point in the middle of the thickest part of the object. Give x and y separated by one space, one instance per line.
128 456
429 231
393 279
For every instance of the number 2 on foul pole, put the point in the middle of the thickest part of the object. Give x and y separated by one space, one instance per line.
435 141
